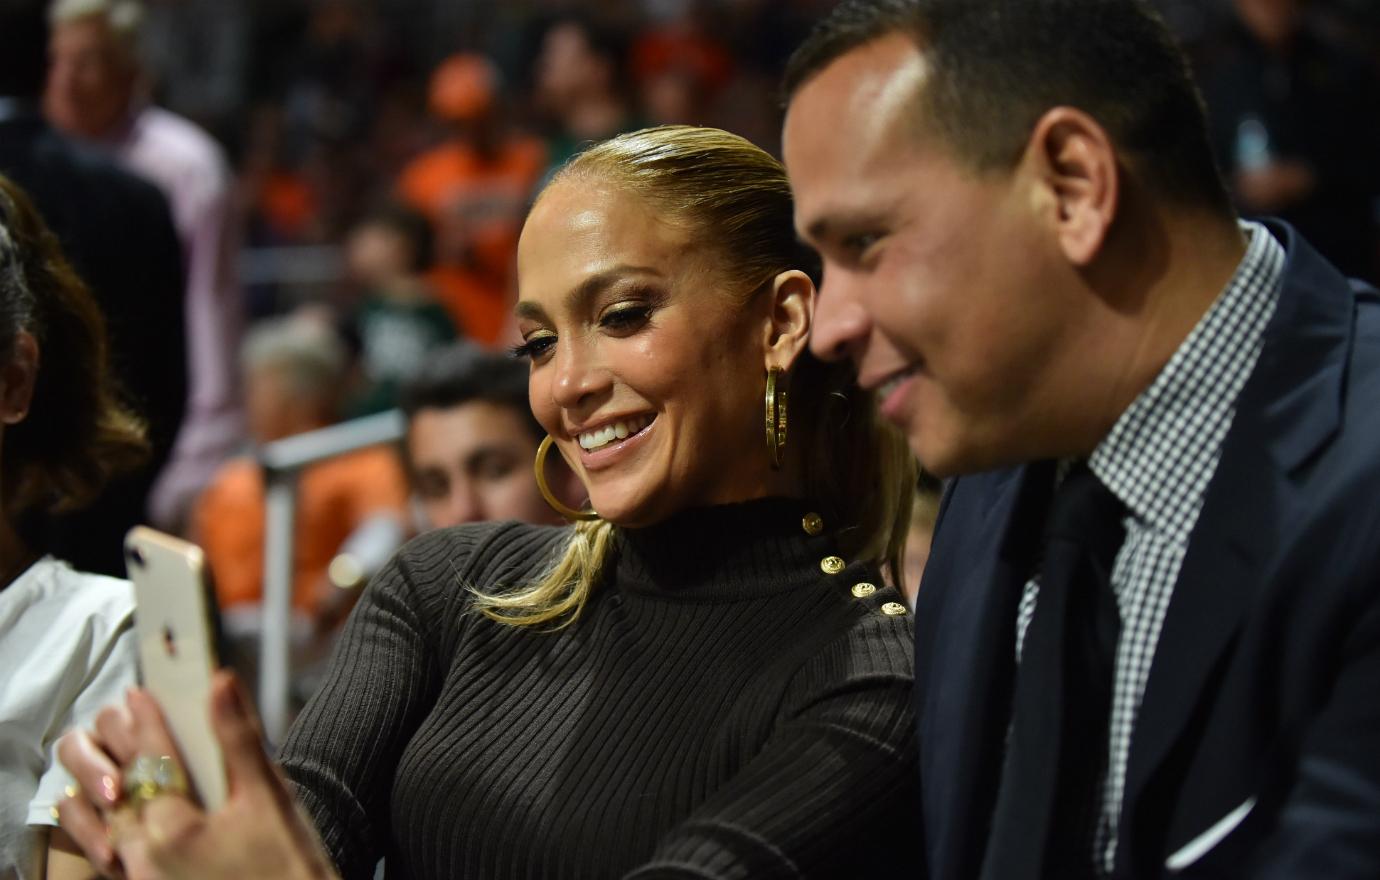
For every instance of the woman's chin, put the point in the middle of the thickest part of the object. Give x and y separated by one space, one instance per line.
630 511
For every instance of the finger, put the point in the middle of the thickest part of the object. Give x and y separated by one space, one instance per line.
247 766
87 829
95 770
115 732
171 827
151 734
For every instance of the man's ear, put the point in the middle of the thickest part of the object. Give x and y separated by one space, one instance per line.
793 298
1075 162
17 378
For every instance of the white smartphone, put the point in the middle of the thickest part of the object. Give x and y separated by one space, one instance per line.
177 648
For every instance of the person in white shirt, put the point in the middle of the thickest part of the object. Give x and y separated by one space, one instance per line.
67 643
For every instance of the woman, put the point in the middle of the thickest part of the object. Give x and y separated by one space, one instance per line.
66 641
694 682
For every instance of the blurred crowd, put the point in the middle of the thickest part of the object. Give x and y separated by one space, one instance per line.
347 179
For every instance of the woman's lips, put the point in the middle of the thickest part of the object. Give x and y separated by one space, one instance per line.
610 454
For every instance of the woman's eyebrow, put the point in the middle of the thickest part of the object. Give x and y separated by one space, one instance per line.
586 291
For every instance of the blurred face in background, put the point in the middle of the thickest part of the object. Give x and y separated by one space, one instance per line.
568 67
473 463
91 78
377 255
1274 22
647 369
277 405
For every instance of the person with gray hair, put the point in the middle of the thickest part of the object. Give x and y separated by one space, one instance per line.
95 92
293 369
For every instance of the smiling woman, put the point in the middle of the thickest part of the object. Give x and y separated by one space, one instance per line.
708 680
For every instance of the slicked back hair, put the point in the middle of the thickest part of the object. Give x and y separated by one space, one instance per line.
997 66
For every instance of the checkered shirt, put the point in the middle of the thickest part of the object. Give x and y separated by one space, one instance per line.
1158 460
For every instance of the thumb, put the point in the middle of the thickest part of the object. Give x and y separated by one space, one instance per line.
247 766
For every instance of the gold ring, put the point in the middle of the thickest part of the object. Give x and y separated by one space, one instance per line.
148 778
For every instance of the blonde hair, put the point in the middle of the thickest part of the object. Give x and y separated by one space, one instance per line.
857 469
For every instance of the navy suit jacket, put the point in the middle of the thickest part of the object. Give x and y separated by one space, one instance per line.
1256 752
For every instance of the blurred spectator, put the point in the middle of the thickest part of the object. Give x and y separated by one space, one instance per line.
117 231
474 187
398 323
293 370
471 442
94 94
1296 127
680 68
579 79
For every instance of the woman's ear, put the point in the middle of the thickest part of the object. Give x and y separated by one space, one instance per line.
17 379
793 298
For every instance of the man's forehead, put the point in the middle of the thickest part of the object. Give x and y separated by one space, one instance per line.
857 116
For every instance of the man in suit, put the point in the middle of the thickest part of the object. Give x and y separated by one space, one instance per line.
1148 636
118 233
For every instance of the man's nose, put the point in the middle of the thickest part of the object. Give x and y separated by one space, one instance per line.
841 324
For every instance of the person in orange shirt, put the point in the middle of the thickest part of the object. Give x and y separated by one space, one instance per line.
293 369
474 188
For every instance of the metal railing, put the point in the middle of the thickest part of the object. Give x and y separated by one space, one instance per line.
282 461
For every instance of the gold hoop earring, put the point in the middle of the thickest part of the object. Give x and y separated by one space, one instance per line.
776 417
556 504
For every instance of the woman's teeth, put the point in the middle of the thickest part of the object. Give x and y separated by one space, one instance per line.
617 431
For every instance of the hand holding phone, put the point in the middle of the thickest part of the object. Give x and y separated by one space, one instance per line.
177 649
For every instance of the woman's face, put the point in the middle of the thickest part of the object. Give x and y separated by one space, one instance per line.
647 370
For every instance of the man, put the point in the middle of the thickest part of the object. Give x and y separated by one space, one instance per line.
94 94
1166 664
117 231
471 440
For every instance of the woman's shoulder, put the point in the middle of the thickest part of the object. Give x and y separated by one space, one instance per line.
52 589
484 554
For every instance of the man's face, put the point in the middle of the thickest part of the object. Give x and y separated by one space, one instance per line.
472 463
90 79
932 272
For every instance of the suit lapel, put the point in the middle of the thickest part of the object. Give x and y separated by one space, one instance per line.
967 709
1288 410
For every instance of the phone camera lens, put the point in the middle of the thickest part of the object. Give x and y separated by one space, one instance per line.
135 556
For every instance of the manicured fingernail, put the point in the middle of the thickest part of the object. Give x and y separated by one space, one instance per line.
70 791
109 789
53 811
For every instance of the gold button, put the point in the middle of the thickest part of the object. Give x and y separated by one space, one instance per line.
813 523
863 590
831 565
894 609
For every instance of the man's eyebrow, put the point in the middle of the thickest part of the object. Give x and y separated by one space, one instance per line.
586 291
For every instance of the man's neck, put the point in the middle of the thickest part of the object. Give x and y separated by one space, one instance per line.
1172 269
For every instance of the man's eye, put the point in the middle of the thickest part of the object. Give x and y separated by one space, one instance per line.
858 244
535 347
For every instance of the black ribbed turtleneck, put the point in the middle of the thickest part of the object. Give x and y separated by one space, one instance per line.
724 708
733 552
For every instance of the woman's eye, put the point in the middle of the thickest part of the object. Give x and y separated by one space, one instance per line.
535 347
625 318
